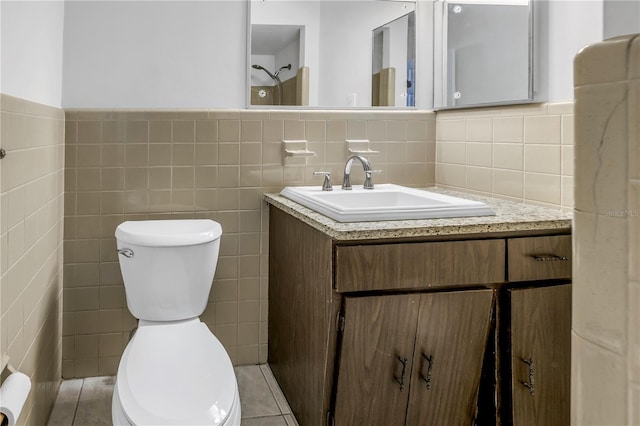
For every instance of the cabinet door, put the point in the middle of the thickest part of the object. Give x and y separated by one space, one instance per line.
541 355
375 360
447 363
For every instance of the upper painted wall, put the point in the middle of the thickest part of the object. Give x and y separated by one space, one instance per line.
155 54
192 54
31 50
565 27
621 17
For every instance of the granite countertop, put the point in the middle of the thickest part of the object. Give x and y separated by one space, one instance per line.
510 217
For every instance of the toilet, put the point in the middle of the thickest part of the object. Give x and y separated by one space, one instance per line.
174 371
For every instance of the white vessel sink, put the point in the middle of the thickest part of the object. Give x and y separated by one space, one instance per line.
385 202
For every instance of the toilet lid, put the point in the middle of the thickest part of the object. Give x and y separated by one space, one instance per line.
168 233
176 374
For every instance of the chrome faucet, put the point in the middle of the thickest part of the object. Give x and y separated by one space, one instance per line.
368 183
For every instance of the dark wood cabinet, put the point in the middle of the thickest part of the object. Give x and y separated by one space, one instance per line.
450 343
412 359
421 331
375 359
540 355
419 266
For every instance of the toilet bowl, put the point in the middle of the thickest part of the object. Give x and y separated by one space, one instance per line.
174 371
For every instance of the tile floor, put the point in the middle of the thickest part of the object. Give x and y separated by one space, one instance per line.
87 402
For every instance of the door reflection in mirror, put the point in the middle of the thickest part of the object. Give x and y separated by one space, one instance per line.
277 48
393 68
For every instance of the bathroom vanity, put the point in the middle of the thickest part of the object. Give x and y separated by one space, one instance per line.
422 322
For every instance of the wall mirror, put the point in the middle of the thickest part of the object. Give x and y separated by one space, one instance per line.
331 53
483 52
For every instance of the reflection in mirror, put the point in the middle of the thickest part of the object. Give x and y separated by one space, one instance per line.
486 52
394 58
318 53
277 48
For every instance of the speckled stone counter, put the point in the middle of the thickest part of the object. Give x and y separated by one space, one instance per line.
510 217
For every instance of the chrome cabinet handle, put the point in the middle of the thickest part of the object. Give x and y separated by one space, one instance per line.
548 258
126 252
400 380
531 383
427 377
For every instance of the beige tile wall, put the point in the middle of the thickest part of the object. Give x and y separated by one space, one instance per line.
31 228
606 291
125 165
522 153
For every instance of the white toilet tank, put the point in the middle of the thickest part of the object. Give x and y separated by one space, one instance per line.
168 266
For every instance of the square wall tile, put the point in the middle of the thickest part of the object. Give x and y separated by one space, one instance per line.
542 159
183 130
601 131
542 187
451 130
508 183
138 165
508 156
479 130
480 179
479 154
508 129
599 311
598 390
544 129
512 138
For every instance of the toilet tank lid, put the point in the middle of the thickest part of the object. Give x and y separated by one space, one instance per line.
168 233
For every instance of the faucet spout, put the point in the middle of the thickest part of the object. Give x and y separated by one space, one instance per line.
346 182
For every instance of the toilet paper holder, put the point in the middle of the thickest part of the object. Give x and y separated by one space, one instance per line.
10 417
5 364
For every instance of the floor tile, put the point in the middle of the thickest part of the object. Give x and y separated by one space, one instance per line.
64 409
265 421
87 402
255 395
94 405
275 389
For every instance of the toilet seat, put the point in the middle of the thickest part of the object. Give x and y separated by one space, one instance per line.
176 373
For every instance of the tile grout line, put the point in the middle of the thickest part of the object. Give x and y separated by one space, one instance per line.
75 408
263 367
260 367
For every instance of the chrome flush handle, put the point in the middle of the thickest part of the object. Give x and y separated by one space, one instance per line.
128 253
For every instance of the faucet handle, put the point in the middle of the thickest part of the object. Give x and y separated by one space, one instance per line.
368 183
326 185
